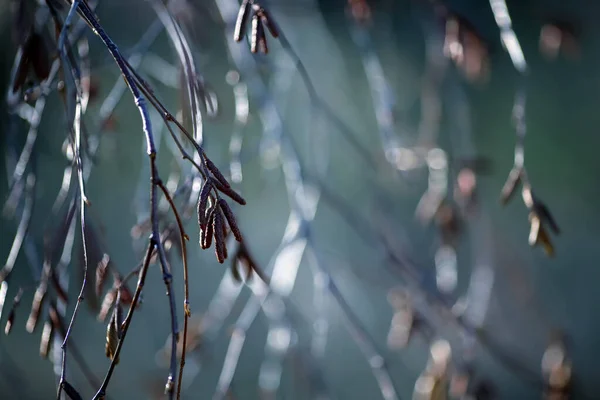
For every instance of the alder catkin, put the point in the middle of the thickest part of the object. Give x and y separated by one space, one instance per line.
216 172
36 307
256 31
228 191
230 219
240 23
208 232
265 16
47 335
220 250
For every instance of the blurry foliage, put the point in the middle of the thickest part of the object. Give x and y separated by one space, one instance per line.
369 140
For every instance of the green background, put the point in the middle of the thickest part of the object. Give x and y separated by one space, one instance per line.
532 296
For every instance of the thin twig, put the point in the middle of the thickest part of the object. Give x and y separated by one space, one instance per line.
186 302
76 149
140 102
365 343
322 106
22 230
136 296
167 276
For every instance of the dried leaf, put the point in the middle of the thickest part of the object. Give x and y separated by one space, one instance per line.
112 337
107 303
538 234
125 294
101 274
119 318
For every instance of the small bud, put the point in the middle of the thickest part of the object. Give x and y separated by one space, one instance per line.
112 337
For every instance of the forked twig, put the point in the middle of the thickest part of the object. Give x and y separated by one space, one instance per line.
186 302
90 17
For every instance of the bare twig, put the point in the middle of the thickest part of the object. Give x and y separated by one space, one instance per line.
138 290
89 16
186 302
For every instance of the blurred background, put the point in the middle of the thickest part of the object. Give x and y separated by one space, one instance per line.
335 155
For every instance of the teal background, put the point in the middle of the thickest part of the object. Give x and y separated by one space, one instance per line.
532 296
